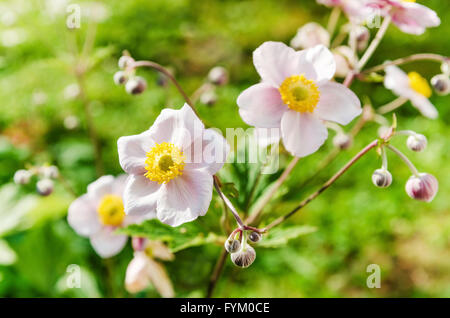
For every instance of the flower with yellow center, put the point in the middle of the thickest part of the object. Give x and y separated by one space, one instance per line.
299 93
419 84
164 162
110 210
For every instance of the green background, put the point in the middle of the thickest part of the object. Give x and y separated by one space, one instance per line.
357 224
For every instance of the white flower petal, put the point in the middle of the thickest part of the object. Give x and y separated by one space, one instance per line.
139 198
136 277
323 61
424 106
132 152
119 184
275 61
185 198
101 187
414 18
337 103
158 276
210 153
302 133
83 217
107 244
180 127
260 105
397 81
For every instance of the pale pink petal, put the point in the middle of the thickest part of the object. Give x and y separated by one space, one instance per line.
275 61
185 198
424 106
83 217
158 276
414 18
210 153
119 184
337 103
302 133
260 105
132 152
180 127
106 243
101 187
136 276
397 81
322 60
139 197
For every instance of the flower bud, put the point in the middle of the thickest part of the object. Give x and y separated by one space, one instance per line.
441 84
342 141
22 176
417 142
120 78
362 36
50 172
218 75
232 245
255 237
245 257
135 85
44 187
345 60
309 35
423 187
208 98
125 61
382 178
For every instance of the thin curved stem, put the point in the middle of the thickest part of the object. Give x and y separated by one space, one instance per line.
374 44
384 161
216 272
325 186
333 20
405 159
408 59
163 70
269 194
396 103
228 202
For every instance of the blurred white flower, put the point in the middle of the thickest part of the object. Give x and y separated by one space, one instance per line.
71 91
310 35
13 37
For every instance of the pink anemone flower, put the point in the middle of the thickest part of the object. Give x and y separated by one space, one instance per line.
296 94
171 167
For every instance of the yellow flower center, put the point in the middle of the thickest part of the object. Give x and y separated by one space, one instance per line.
110 210
299 93
419 84
409 0
164 162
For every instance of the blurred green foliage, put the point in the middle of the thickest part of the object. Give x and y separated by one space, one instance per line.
356 224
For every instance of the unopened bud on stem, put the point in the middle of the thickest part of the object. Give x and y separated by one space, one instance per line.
416 142
254 237
44 187
441 84
244 257
232 245
136 85
382 178
22 176
422 187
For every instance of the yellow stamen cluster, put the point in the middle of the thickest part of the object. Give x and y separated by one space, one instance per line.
110 210
419 84
299 93
164 162
409 0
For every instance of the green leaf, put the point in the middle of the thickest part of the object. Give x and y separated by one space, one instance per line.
177 238
281 236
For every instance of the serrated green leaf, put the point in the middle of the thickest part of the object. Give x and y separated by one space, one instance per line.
281 236
177 238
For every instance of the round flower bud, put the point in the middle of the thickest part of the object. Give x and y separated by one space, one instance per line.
422 188
125 61
135 85
44 187
345 60
120 78
254 237
218 75
208 98
50 172
309 35
232 245
362 36
245 257
22 176
382 178
343 141
417 142
441 84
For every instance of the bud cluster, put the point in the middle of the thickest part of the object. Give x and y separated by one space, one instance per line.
242 254
133 84
46 174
